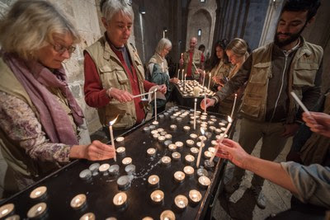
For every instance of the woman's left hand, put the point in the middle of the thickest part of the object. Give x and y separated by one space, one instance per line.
162 88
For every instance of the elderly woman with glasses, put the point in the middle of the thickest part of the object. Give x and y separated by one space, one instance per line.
114 73
39 117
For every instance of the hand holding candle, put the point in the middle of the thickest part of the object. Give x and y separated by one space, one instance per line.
111 135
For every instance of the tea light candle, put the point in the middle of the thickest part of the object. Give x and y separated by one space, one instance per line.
152 127
202 138
173 127
37 210
126 161
193 136
157 196
166 160
85 174
204 181
38 192
217 131
166 114
190 143
200 144
121 151
161 139
179 144
172 117
202 172
214 142
189 159
155 123
78 201
211 149
179 120
167 143
189 170
181 201
94 167
120 139
146 129
123 182
114 170
88 216
120 199
167 215
147 218
162 133
160 130
154 132
172 147
130 169
195 196
176 155
221 124
168 136
155 136
104 168
179 176
186 128
151 152
207 154
6 210
153 180
194 151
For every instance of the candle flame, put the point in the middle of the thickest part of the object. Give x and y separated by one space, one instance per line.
113 121
202 131
230 120
120 199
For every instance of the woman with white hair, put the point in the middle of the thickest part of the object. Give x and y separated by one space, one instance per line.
39 117
114 73
158 70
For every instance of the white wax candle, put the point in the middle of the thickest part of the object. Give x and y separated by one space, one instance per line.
234 104
111 135
195 107
200 149
155 104
208 86
300 103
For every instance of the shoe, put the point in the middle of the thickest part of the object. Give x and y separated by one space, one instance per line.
232 185
260 197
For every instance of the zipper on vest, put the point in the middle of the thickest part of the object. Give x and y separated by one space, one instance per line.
286 54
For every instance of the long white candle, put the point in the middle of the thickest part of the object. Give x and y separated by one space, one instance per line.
204 81
234 105
204 102
200 149
155 104
208 86
300 103
182 73
195 108
111 135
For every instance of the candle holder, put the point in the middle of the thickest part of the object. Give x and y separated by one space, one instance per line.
217 131
195 196
189 159
193 136
160 130
156 123
104 168
126 161
214 143
194 151
207 154
186 128
152 127
6 210
189 171
181 202
85 174
204 181
88 216
179 176
78 201
120 200
168 137
121 151
179 144
120 139
151 152
123 182
161 139
130 169
114 170
162 133
37 211
157 196
190 143
167 215
155 136
172 147
39 193
176 156
146 130
154 132
173 127
153 181
94 168
166 161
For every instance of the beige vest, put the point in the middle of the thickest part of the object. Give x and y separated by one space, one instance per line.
303 69
197 60
112 74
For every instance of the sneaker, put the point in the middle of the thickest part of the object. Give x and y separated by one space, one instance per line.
232 185
259 196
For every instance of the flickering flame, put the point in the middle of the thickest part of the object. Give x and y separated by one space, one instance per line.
113 121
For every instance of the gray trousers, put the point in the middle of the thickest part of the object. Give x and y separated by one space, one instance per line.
272 143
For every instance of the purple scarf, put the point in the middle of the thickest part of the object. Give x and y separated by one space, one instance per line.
35 79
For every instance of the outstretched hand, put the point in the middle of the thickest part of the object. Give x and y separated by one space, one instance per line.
207 103
120 95
318 122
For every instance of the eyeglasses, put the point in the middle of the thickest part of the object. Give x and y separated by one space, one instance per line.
61 49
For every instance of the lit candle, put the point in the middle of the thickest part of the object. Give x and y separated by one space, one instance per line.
104 168
157 196
189 170
190 143
120 139
153 180
111 134
88 216
176 155
195 196
126 161
189 159
204 181
208 86
222 136
172 147
151 152
173 127
121 151
181 201
155 93
234 104
186 128
38 192
207 154
120 199
179 176
195 108
166 160
179 144
78 201
194 151
200 149
6 210
167 215
168 136
37 210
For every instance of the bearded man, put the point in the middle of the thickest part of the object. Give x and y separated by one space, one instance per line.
270 73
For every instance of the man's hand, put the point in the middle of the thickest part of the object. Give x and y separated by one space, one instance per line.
95 151
318 122
162 88
208 102
120 95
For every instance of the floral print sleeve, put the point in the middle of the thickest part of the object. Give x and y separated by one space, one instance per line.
21 125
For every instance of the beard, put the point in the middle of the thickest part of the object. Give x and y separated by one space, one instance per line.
292 38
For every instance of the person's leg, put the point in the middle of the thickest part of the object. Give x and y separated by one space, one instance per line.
250 134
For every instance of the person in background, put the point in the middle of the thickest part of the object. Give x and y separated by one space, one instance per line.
114 73
39 117
158 70
192 61
269 75
220 66
309 184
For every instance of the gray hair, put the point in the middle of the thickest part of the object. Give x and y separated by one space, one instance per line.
164 42
239 47
110 7
30 25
